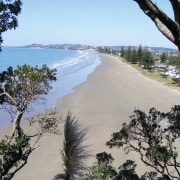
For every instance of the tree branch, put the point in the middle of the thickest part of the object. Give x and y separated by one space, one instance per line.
165 24
176 8
23 164
15 103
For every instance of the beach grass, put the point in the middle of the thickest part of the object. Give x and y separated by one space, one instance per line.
155 75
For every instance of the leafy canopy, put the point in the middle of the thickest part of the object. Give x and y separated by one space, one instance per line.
9 10
153 137
25 84
18 89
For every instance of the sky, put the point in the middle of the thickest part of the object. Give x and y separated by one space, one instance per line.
88 22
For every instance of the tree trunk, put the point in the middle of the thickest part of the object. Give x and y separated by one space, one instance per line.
16 125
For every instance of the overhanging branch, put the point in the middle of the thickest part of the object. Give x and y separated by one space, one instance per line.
10 97
164 23
176 7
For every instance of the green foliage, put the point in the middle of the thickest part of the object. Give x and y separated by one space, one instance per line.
127 171
163 57
13 155
106 50
18 88
9 10
122 52
174 60
128 54
25 84
160 153
149 176
164 75
151 137
141 56
103 169
147 60
176 81
104 158
174 122
134 57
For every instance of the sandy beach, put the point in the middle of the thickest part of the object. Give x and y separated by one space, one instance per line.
102 104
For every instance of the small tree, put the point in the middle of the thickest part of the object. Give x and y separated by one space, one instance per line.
74 152
18 89
9 10
147 59
127 171
163 57
134 57
103 169
122 51
153 139
139 54
128 53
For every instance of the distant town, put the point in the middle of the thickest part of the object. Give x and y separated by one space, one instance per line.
57 46
85 47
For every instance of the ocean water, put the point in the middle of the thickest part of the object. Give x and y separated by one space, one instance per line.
73 68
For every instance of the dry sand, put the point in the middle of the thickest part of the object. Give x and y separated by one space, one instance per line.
102 104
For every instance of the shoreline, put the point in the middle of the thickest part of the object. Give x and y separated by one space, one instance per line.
66 81
102 103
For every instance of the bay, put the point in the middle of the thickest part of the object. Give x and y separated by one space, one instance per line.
73 68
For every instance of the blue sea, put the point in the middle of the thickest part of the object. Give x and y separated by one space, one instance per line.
73 68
